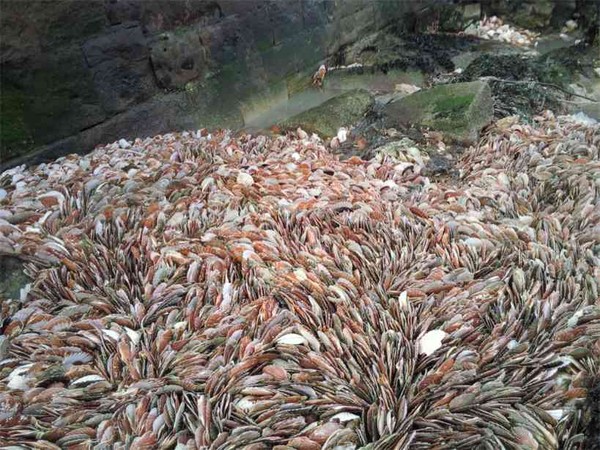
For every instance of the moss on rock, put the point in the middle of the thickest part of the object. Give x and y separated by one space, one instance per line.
524 82
459 110
12 277
326 119
15 138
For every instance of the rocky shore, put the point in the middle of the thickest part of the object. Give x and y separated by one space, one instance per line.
404 255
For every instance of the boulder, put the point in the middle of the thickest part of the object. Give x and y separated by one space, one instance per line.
326 119
458 110
519 83
439 165
590 109
12 277
178 57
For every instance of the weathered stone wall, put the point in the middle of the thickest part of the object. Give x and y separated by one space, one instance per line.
75 74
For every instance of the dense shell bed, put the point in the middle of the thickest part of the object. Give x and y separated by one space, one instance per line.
211 291
494 28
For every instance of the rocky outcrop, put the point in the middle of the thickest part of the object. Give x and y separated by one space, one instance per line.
76 74
12 278
458 110
326 119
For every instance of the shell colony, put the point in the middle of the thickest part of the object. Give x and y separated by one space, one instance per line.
493 28
207 291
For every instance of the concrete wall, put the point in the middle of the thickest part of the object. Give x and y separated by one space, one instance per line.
75 74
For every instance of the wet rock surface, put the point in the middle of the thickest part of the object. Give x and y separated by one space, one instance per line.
71 66
429 53
120 68
177 58
458 110
592 110
593 430
526 85
325 120
12 277
161 65
439 165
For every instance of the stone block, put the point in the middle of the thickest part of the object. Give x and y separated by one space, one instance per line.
178 57
458 110
326 119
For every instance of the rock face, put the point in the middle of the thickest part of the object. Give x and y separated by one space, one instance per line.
593 431
590 109
326 119
520 83
458 110
76 74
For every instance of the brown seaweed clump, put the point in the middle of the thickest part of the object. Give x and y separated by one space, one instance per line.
198 291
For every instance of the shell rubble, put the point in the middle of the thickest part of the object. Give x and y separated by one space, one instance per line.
201 290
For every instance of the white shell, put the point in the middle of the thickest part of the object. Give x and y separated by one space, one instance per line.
111 334
19 379
134 336
207 182
227 295
556 414
245 179
88 379
431 341
291 339
24 291
300 274
344 417
19 382
407 88
403 300
244 404
124 143
180 325
247 254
